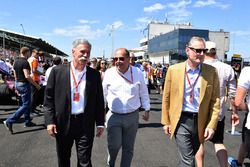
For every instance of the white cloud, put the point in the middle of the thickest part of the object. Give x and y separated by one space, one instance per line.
78 31
212 3
85 30
88 21
143 20
179 13
179 5
154 7
115 25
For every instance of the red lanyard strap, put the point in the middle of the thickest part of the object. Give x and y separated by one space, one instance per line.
75 83
131 74
192 86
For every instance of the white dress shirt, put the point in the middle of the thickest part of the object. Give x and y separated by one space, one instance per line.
244 82
227 83
77 107
123 96
192 75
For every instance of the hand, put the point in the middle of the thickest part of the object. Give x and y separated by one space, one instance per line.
51 129
167 129
235 120
99 131
209 133
145 116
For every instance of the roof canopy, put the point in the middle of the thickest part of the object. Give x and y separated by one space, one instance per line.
16 40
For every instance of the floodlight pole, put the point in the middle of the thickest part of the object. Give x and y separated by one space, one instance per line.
22 28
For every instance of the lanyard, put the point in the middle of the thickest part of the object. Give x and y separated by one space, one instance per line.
75 83
131 74
192 86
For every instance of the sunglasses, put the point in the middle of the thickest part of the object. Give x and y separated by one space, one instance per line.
198 51
119 58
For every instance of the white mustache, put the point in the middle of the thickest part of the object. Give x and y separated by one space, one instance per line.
83 58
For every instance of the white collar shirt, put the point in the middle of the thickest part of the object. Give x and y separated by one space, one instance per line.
244 82
227 83
77 107
123 96
192 74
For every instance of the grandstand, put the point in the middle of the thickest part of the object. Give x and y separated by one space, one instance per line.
11 42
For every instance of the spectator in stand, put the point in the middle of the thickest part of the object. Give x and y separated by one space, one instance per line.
36 71
23 81
227 87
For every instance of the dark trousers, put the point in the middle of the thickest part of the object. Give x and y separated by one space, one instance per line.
83 138
34 98
187 140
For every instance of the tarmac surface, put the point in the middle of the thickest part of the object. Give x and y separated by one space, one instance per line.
33 147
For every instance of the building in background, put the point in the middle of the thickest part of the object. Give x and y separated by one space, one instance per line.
165 43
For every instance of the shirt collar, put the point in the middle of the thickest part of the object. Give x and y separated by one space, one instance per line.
74 70
188 68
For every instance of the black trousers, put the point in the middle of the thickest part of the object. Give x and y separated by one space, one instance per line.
34 98
83 138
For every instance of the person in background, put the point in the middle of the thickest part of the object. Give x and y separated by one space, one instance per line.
242 102
56 61
125 92
74 105
227 86
65 61
93 62
146 74
101 67
159 78
133 63
191 102
22 85
35 75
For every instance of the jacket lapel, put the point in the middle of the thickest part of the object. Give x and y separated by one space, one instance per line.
182 79
87 87
68 86
203 82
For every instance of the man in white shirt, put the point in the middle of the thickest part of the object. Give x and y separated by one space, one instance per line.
125 92
227 86
242 102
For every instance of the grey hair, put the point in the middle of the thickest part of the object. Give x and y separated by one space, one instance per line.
195 38
80 41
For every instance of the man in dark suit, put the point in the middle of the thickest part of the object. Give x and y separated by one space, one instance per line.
73 105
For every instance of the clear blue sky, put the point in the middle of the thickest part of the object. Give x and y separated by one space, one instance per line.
61 21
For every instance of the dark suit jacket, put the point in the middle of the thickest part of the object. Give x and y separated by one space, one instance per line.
57 102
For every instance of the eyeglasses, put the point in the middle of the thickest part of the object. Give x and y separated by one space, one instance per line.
103 63
198 51
119 58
